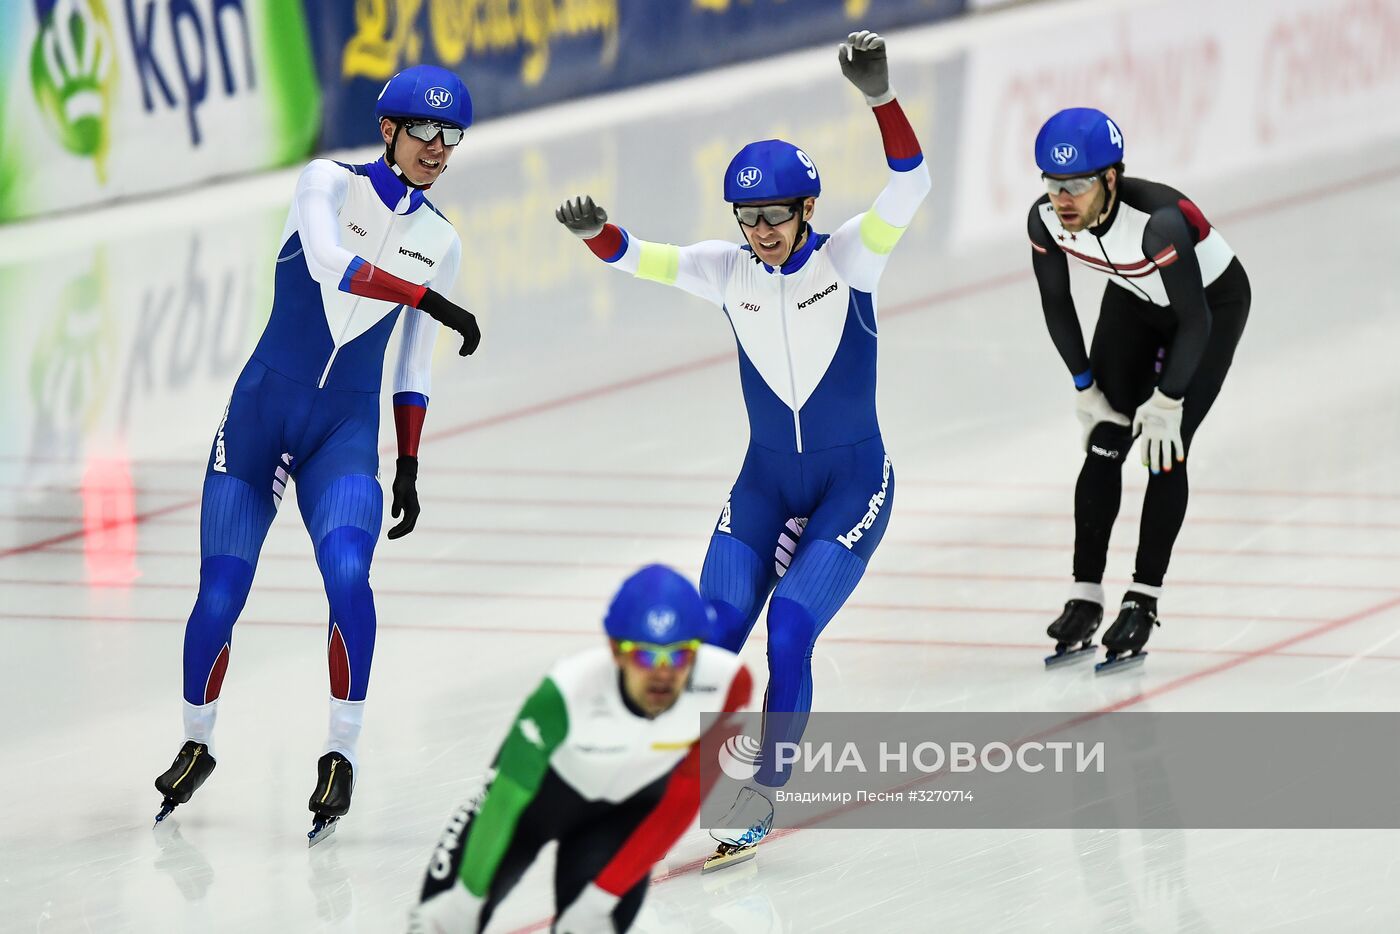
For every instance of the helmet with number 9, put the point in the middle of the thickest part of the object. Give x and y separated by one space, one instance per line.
425 92
770 170
1078 141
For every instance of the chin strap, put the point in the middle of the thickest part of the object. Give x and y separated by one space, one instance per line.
802 235
1109 201
389 158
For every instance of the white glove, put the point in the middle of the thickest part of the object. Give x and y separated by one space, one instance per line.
1158 420
1092 407
456 911
590 913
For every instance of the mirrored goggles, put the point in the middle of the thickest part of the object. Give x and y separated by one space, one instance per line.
774 214
426 130
1075 186
650 655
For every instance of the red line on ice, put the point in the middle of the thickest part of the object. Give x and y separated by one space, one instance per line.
538 563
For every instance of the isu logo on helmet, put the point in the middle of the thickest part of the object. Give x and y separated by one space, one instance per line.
1064 154
748 176
438 97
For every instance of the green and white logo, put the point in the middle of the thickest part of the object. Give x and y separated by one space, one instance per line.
73 68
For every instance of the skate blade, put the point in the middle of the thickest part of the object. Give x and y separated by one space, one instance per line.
321 828
1122 663
722 859
167 808
1069 656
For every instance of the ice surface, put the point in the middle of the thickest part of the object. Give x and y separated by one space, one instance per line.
599 428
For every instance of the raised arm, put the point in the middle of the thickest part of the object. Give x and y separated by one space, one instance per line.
861 246
320 194
700 269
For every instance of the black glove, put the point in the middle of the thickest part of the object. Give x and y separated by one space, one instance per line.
405 496
583 218
455 317
863 62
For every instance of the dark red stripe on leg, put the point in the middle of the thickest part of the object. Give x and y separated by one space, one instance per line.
339 658
215 682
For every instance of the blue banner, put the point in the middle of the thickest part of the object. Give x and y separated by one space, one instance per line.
517 54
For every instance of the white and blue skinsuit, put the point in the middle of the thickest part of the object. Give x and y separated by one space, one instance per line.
807 336
306 406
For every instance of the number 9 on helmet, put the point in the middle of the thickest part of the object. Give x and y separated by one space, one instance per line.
771 170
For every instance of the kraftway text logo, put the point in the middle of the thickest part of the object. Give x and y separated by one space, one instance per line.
414 254
871 513
820 295
220 463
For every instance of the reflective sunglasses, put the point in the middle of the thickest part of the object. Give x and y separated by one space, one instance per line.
650 655
1075 186
426 130
774 214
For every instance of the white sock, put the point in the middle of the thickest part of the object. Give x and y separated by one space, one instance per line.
1083 590
199 723
1154 592
346 719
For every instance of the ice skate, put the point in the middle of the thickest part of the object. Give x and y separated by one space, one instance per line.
335 781
1125 639
192 766
743 828
1073 632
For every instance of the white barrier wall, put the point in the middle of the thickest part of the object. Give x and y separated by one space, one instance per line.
1202 89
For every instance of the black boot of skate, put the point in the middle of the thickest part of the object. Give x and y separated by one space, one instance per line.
335 781
1073 632
191 767
1125 639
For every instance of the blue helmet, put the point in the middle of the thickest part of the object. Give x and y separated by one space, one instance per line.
426 92
657 605
771 170
1078 141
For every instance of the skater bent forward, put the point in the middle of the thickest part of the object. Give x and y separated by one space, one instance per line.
1173 309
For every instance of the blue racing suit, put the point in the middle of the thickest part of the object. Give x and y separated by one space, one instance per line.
306 408
816 465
